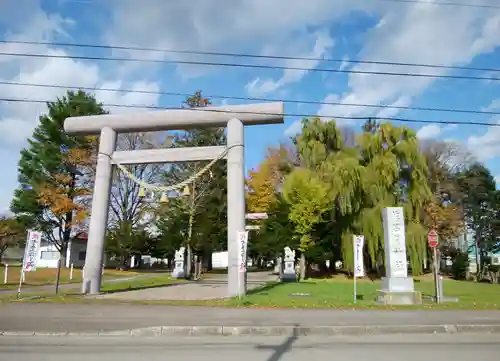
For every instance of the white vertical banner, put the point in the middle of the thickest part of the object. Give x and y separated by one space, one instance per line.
32 249
359 265
242 238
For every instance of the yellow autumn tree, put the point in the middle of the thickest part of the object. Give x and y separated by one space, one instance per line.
263 183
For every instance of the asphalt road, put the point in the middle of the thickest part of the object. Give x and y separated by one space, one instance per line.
91 317
375 348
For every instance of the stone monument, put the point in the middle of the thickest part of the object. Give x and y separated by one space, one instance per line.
289 274
179 271
397 288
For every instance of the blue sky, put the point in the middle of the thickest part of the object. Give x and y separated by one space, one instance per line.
341 29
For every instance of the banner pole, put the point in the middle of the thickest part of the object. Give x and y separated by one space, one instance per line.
20 281
355 292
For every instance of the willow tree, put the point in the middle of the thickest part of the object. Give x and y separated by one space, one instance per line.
384 169
395 174
323 174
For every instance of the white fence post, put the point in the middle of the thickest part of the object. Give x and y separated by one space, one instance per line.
71 272
6 274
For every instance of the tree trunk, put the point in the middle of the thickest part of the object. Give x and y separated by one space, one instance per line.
58 276
198 266
60 262
302 266
478 260
207 260
2 251
189 263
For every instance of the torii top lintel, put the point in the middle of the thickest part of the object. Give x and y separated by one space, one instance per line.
177 119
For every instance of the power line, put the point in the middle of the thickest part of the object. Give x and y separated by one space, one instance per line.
445 3
242 55
299 115
257 66
436 3
292 101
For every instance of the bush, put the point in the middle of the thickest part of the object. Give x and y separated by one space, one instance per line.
460 266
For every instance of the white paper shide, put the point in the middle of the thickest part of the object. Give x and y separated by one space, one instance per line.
359 266
33 243
242 251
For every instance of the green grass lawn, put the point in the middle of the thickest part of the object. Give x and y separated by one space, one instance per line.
339 294
47 276
119 286
333 293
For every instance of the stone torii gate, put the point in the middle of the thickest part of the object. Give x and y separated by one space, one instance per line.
107 126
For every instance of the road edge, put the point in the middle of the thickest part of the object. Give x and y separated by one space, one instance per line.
272 331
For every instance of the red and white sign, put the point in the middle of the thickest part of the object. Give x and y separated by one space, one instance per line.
31 251
242 251
432 238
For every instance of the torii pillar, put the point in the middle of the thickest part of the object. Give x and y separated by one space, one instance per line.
107 126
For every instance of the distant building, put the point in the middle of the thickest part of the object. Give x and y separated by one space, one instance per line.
75 254
466 243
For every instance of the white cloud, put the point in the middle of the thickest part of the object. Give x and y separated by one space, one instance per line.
223 25
293 129
429 131
495 105
18 119
402 101
420 33
432 131
323 43
345 63
486 146
330 111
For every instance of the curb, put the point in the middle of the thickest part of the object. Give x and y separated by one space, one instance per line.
173 331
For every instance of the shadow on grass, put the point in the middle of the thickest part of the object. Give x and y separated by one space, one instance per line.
149 270
262 290
222 271
144 287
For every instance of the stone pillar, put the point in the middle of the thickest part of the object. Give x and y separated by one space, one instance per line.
397 287
235 204
99 216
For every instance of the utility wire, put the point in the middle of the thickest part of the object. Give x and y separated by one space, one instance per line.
292 101
445 3
242 55
436 3
257 66
301 115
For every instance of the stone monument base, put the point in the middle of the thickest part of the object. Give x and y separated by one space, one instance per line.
289 274
399 298
289 277
178 273
398 284
398 291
